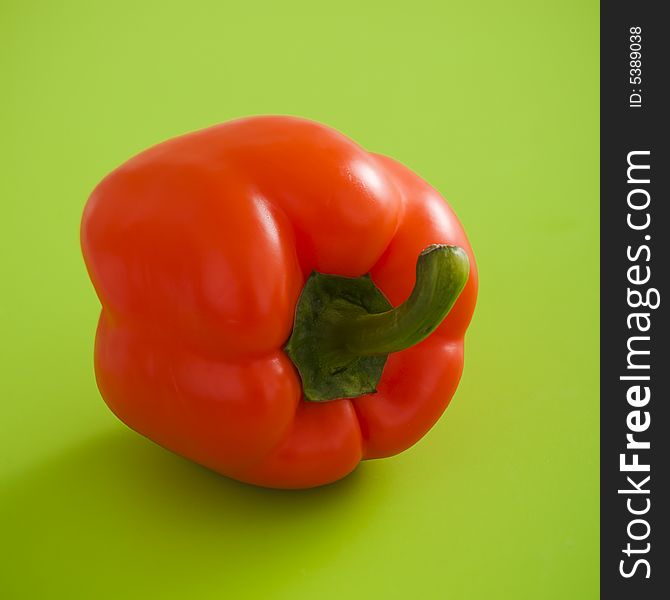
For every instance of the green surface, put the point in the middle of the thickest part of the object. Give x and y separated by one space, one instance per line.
496 104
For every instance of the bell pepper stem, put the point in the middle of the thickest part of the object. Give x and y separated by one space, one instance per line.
345 328
441 274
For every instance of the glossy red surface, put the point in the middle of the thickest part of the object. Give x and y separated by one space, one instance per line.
198 249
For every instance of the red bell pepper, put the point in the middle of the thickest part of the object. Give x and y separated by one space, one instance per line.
247 275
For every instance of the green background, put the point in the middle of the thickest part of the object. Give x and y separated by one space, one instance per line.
494 103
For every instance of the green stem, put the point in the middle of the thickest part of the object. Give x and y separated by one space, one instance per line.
345 328
441 274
